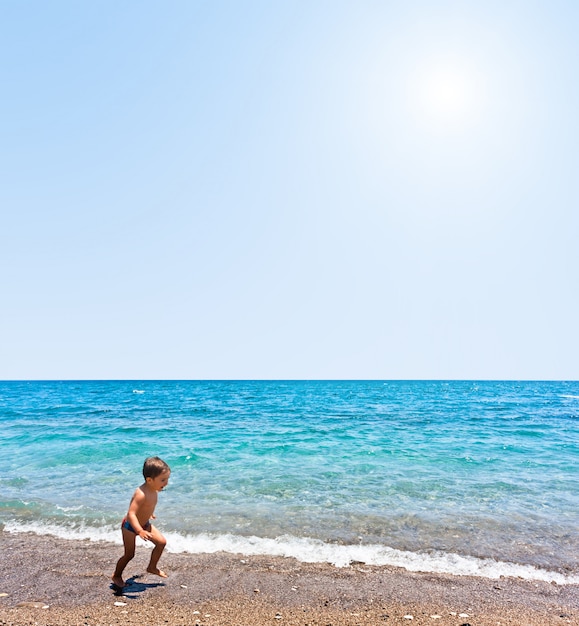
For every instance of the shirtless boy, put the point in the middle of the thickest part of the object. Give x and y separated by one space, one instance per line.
138 520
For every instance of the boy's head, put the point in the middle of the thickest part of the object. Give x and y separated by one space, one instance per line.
154 466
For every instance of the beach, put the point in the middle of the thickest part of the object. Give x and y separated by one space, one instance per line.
45 580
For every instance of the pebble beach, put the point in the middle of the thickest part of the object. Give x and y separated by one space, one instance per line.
45 580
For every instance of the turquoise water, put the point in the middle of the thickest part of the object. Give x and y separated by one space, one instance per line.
464 477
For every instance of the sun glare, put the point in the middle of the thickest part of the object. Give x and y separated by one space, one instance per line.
446 93
446 96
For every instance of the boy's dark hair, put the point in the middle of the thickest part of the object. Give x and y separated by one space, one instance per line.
154 466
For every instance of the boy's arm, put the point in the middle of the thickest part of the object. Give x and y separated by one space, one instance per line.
136 503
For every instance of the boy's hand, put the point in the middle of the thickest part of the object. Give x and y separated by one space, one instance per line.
146 536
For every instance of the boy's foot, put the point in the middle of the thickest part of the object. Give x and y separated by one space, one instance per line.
118 581
157 572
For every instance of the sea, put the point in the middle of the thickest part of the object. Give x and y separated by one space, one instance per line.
473 478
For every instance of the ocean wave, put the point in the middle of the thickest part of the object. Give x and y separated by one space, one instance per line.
309 550
74 532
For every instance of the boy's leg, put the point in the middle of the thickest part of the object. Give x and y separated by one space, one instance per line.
129 540
160 543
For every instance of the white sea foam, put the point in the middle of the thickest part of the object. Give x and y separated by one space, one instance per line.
68 509
75 532
312 551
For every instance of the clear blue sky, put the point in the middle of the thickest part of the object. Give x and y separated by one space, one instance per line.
289 189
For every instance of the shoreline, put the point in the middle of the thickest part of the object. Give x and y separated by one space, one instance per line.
72 579
308 550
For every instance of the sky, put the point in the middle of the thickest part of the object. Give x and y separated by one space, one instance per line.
305 189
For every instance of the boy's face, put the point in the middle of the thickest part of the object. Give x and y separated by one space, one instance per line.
159 482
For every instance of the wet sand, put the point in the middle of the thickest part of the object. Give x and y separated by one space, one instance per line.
44 581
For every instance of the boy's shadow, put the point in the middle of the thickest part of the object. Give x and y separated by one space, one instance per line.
133 588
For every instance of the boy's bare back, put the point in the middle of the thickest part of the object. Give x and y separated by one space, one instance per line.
143 504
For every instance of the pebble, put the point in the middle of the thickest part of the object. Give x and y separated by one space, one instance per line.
278 616
183 586
463 614
409 617
33 605
3 595
436 616
120 604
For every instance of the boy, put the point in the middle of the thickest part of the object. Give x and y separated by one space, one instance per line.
138 520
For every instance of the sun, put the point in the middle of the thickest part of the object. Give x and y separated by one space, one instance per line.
446 95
